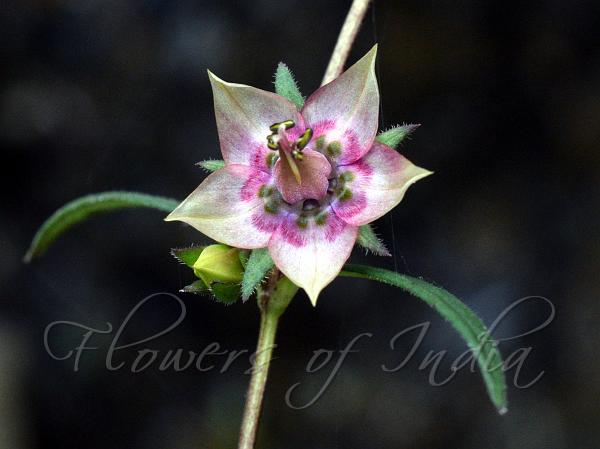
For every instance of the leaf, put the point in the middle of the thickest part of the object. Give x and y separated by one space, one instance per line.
286 86
81 209
463 319
369 241
393 136
212 165
188 256
258 265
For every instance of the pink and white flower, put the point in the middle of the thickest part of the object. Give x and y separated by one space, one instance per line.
299 182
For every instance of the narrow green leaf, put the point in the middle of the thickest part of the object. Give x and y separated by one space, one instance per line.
212 165
258 264
393 136
463 319
80 209
369 241
188 256
285 85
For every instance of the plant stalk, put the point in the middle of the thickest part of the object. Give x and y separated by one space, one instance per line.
345 40
272 302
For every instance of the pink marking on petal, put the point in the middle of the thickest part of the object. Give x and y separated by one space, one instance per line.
267 222
291 233
251 187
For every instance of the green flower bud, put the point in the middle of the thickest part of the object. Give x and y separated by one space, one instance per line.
219 263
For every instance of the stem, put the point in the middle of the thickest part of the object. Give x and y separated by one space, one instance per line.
345 40
272 302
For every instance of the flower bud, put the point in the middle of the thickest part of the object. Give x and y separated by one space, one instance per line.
219 263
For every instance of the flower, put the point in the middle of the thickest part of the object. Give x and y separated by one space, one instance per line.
299 182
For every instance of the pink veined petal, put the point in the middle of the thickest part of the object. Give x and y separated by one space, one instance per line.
230 207
346 111
314 169
374 185
313 255
244 114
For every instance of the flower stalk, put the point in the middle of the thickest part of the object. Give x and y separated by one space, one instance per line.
273 299
345 40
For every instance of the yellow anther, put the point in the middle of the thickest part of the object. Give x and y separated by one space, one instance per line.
287 124
272 141
304 139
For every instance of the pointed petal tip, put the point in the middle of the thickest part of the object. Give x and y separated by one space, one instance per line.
313 296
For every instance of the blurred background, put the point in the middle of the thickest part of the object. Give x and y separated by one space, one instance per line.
98 95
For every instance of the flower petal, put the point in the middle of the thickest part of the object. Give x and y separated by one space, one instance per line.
346 111
374 185
311 253
231 207
314 168
244 114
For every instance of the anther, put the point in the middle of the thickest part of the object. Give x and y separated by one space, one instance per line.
287 124
304 138
272 141
297 155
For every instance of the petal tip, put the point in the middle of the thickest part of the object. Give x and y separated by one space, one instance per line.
313 295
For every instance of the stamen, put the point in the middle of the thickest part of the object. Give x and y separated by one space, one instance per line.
304 139
287 124
273 141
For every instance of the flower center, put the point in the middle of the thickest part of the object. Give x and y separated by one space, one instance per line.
291 152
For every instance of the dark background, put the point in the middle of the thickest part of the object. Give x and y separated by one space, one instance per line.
109 94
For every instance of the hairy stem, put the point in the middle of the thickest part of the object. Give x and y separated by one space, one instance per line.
345 40
273 299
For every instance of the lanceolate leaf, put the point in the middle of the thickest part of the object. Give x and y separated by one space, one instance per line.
286 86
80 209
256 268
463 319
394 136
212 165
369 241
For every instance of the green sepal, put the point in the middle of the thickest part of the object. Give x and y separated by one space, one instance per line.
285 85
188 256
211 165
258 265
197 287
462 318
244 254
394 136
87 206
370 242
225 293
